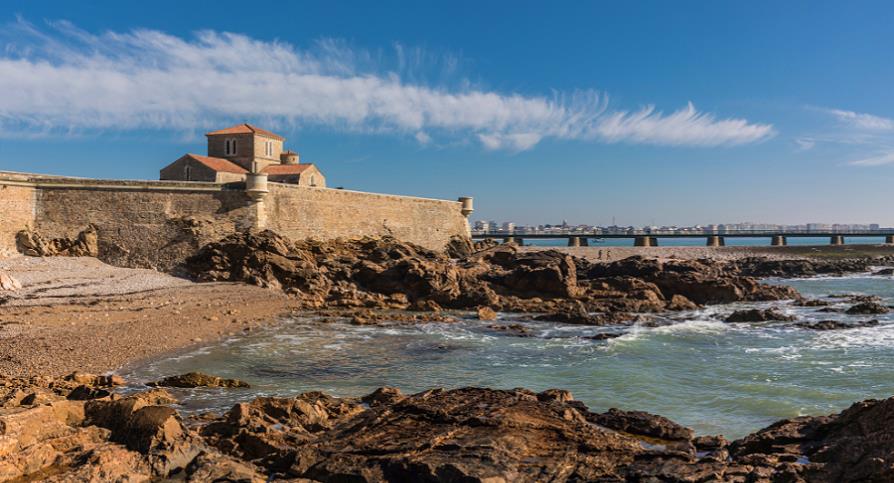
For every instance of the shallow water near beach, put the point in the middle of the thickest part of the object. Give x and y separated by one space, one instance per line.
713 376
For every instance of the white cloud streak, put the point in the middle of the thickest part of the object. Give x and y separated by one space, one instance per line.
881 159
66 80
872 135
863 121
805 144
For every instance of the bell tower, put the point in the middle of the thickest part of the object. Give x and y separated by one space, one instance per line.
248 146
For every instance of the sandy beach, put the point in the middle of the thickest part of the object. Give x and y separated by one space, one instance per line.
81 314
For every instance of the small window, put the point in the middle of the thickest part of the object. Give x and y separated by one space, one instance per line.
188 169
313 180
230 147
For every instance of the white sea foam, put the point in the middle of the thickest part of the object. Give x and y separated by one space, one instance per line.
711 327
879 336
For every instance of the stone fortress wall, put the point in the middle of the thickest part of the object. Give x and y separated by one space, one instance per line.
16 210
157 223
300 212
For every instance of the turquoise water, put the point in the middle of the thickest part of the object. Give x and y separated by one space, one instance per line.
715 377
700 242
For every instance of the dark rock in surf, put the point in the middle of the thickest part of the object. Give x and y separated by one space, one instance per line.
831 310
870 308
758 315
811 303
197 379
517 330
602 336
837 324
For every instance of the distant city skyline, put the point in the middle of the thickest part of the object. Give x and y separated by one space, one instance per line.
494 225
650 112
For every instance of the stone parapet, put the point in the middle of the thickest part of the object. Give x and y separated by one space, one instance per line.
158 223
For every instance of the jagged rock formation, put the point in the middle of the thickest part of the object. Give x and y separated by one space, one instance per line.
385 273
469 434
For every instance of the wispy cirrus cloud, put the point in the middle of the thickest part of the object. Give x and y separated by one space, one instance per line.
805 143
884 158
870 136
863 121
67 80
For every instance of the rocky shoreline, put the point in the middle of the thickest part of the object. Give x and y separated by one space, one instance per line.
76 429
79 428
388 274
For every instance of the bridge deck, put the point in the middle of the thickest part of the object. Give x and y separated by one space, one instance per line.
738 234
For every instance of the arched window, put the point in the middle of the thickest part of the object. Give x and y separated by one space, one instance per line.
313 180
188 169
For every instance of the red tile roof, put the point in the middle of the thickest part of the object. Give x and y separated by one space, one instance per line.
246 128
218 164
286 168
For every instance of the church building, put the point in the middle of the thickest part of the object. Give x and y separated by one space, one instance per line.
238 150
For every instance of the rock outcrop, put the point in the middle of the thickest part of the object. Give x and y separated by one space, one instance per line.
388 274
468 434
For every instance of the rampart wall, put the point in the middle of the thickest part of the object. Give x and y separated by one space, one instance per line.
300 212
16 211
158 223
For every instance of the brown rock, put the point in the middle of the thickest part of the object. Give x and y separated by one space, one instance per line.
383 395
197 379
486 313
642 424
385 273
679 303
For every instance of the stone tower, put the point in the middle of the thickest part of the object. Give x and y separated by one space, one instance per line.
248 146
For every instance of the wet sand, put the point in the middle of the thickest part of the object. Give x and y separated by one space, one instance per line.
81 314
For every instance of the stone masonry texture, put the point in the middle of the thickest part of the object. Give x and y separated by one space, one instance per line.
156 224
16 213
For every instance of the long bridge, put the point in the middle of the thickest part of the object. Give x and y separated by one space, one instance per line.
649 238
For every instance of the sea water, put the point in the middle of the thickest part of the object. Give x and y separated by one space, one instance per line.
713 376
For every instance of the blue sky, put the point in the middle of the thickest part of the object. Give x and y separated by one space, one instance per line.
648 112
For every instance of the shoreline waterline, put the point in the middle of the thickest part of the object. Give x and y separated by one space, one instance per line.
713 376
